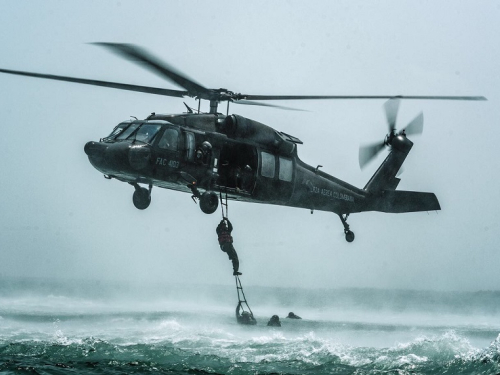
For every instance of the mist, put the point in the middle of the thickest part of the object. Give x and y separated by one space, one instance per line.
89 283
61 220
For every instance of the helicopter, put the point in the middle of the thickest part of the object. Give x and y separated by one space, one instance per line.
211 154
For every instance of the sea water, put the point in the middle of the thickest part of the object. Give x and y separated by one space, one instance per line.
60 328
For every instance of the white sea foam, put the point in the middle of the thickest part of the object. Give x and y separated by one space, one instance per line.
354 342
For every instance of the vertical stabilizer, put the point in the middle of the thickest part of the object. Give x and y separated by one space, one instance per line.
385 176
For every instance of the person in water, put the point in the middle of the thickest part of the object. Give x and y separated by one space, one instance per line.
224 230
291 315
245 317
274 321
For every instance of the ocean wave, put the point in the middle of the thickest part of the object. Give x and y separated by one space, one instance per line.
85 336
447 353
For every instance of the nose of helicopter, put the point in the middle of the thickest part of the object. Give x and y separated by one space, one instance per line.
111 158
93 148
95 151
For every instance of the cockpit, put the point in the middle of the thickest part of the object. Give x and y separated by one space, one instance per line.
117 130
136 131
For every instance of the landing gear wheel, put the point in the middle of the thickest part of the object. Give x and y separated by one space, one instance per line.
349 236
209 202
141 198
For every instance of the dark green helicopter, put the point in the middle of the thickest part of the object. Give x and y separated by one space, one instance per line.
211 154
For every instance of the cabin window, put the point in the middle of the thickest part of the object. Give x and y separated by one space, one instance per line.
124 134
190 146
268 165
286 169
147 132
169 139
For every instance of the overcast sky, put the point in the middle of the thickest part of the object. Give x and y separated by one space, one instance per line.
61 218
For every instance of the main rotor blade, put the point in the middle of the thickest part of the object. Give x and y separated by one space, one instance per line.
139 55
93 82
368 152
312 97
248 102
391 108
416 126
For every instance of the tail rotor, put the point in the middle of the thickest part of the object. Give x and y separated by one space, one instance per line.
391 108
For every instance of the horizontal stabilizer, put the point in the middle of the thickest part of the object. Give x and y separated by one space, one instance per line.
396 201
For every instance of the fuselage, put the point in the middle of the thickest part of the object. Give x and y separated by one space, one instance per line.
250 161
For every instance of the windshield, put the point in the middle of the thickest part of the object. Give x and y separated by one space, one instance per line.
147 132
128 131
117 130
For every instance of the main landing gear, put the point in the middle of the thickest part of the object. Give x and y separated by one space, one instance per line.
209 202
142 196
349 235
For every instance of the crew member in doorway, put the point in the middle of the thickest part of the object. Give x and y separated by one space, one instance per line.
224 230
246 178
202 153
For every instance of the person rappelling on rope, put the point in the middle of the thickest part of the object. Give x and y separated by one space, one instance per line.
224 230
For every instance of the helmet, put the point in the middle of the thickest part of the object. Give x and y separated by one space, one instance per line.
206 146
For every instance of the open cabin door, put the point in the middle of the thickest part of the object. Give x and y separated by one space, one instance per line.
238 168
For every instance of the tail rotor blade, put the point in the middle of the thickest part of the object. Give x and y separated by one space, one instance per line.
368 152
416 126
391 112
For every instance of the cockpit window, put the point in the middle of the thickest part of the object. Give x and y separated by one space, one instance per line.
117 130
169 139
124 134
147 132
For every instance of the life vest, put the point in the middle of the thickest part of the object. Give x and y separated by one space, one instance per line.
225 237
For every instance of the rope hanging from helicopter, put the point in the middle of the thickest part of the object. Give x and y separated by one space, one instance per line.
241 295
223 203
239 288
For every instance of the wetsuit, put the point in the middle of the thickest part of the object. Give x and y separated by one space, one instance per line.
291 315
244 318
226 243
274 321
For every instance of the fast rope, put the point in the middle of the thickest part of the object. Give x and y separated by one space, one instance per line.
223 203
242 300
241 294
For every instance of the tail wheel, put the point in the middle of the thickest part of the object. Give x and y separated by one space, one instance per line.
209 202
349 236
